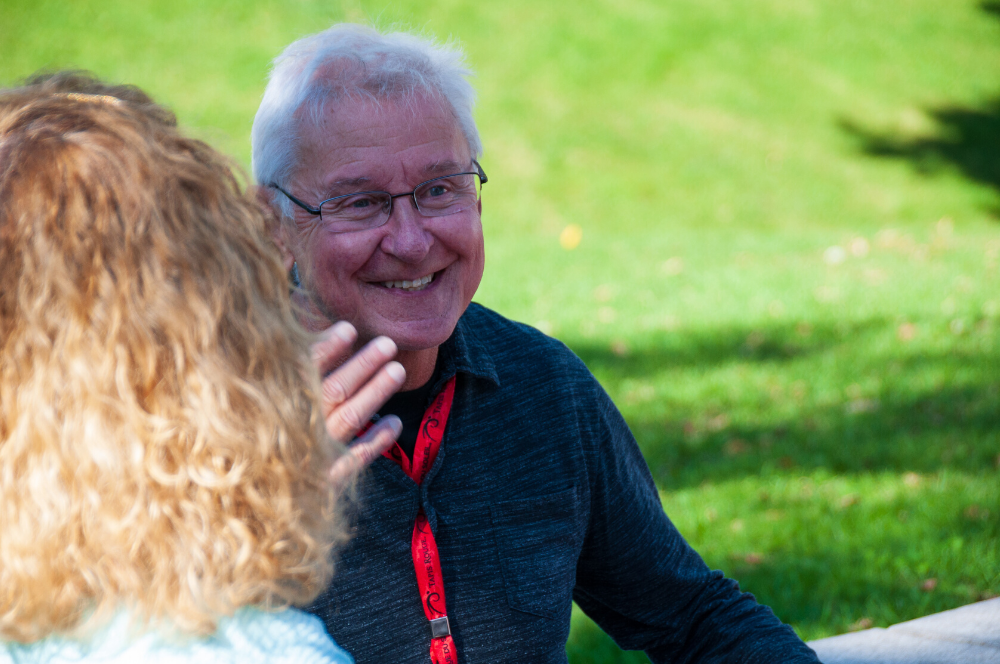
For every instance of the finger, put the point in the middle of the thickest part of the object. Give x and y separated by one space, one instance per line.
333 347
345 420
365 450
341 385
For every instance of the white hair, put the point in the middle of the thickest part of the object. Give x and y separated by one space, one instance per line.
351 61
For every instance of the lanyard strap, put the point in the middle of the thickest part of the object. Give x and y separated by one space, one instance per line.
426 562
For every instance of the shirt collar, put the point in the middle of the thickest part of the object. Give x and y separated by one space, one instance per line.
465 352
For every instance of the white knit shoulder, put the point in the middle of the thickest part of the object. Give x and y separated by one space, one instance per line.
250 636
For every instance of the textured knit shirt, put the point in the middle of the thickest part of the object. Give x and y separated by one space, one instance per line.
539 496
251 636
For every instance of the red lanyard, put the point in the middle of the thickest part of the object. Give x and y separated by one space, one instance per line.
426 562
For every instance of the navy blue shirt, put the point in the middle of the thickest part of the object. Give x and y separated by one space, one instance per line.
538 497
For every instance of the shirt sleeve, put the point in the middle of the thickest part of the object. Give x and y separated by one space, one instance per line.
639 579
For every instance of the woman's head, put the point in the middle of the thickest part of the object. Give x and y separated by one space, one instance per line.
161 443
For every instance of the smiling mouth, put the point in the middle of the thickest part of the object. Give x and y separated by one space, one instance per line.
410 286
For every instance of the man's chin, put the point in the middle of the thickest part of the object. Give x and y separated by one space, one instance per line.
419 335
418 342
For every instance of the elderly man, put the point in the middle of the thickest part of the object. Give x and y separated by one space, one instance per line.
515 487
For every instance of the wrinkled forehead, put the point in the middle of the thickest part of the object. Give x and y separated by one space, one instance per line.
343 82
363 135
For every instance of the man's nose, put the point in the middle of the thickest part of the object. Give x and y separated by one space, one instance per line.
407 239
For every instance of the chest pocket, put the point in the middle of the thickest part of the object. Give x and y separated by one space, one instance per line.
539 542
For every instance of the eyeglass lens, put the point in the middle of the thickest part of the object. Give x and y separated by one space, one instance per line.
434 198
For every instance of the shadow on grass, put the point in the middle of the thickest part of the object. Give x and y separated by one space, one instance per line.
826 592
922 419
968 138
950 428
826 563
858 567
713 347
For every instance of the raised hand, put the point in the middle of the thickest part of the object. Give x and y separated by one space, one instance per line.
353 390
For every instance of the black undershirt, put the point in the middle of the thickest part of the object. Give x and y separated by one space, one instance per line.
410 407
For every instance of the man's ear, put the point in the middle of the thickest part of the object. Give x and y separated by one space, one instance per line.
279 230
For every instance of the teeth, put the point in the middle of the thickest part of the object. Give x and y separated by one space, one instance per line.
415 285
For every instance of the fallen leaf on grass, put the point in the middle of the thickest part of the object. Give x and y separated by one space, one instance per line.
603 293
753 558
860 247
717 423
619 348
570 237
754 341
848 500
975 512
860 624
858 406
736 447
886 238
929 585
640 394
672 266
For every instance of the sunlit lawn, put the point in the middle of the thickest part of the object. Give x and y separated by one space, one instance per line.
770 228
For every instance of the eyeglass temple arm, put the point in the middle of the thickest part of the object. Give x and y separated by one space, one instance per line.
482 174
305 206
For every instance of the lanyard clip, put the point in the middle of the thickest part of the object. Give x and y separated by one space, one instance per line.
440 627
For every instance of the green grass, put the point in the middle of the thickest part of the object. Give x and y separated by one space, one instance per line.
788 273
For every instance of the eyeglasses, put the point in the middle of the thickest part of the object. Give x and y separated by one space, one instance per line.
437 197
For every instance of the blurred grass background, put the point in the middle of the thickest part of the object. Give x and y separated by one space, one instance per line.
770 227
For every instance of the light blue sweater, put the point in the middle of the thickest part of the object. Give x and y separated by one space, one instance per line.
250 636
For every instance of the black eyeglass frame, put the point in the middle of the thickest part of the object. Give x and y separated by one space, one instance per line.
318 210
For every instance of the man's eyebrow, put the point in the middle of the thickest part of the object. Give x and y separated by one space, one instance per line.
349 182
445 167
357 184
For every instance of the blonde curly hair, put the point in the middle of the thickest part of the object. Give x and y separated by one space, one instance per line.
162 446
